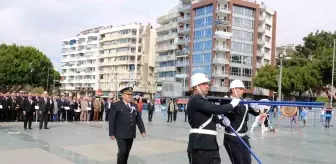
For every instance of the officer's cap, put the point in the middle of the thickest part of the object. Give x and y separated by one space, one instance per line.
127 90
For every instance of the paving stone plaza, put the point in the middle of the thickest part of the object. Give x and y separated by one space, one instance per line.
166 143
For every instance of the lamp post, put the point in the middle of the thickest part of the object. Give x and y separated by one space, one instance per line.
332 74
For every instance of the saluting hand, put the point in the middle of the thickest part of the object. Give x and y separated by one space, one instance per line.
112 137
143 134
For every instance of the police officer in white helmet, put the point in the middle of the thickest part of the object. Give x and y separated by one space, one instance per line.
237 152
202 116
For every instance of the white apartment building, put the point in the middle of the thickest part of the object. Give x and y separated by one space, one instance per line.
79 69
171 64
127 55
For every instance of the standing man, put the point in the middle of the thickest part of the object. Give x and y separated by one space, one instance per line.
150 107
237 152
44 105
202 117
28 111
124 117
170 110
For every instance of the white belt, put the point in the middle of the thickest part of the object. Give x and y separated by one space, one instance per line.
239 134
203 131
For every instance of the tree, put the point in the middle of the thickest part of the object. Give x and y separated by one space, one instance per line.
24 65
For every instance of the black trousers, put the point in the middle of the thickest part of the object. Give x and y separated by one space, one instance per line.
170 114
236 150
150 115
124 148
19 115
175 115
106 115
205 157
43 119
27 118
266 122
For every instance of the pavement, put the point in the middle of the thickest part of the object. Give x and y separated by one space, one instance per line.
166 143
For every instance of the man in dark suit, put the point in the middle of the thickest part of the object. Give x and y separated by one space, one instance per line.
44 105
123 119
28 111
150 107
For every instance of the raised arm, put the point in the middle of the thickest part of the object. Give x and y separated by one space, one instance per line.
208 107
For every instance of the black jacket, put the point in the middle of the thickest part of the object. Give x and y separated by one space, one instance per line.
27 106
122 123
199 111
237 117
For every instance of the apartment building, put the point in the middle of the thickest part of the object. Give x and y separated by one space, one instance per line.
224 39
79 69
127 55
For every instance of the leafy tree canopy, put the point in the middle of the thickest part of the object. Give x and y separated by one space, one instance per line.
308 69
24 65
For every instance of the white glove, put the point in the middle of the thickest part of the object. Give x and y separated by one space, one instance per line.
235 102
226 121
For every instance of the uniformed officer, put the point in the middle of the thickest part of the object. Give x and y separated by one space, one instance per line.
202 119
236 150
123 119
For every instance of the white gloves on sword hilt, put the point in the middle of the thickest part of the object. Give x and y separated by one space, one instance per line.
226 122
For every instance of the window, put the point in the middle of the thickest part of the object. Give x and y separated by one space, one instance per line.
198 58
202 58
199 23
247 60
244 11
208 21
235 58
204 69
204 10
267 38
208 33
244 23
198 46
247 72
242 47
208 45
247 84
242 35
268 27
198 35
235 71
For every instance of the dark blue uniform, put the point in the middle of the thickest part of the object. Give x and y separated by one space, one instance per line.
122 124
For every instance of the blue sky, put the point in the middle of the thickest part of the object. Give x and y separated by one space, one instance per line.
44 23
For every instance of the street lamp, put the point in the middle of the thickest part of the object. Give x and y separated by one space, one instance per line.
281 56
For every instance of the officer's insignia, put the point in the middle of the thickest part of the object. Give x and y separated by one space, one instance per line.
133 109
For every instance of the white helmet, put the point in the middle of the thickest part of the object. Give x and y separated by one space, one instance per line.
237 84
198 78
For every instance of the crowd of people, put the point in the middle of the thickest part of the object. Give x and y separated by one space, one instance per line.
28 107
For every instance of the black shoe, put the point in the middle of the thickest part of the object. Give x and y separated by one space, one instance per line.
30 128
25 128
46 128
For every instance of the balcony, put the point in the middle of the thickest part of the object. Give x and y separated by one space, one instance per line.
112 46
259 65
262 19
217 88
182 63
166 79
166 48
222 23
223 11
166 18
220 74
261 30
183 41
183 30
185 19
165 58
221 49
260 54
165 37
221 35
184 8
165 69
181 75
223 1
220 61
261 42
167 27
182 53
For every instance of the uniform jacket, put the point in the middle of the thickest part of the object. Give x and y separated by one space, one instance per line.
122 123
236 118
199 111
28 106
44 105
